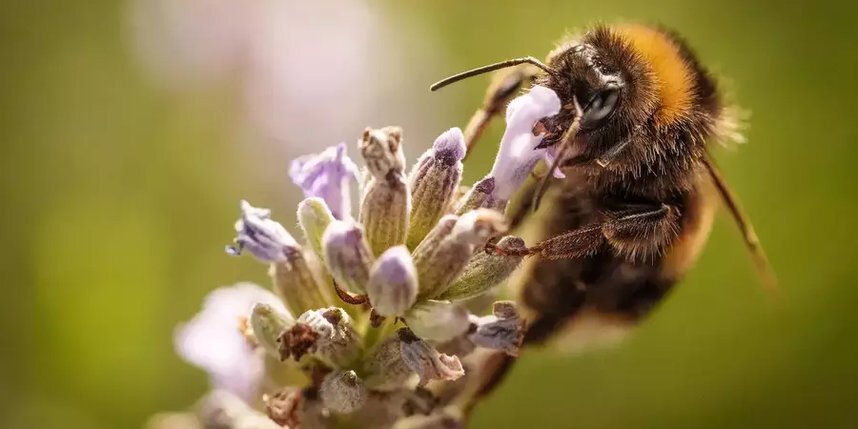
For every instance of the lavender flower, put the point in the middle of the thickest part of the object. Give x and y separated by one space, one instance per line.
266 239
213 339
326 175
518 155
362 349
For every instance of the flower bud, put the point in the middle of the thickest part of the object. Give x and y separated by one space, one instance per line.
384 368
479 196
347 255
326 333
427 247
426 361
268 324
266 239
386 200
297 285
438 320
314 216
343 392
504 330
451 255
433 182
485 271
392 286
326 175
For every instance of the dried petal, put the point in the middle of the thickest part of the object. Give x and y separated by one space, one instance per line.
479 196
283 407
268 324
298 286
326 175
426 361
314 216
326 333
263 237
504 330
213 341
485 271
517 155
347 255
392 286
343 392
438 320
436 271
386 202
384 368
433 182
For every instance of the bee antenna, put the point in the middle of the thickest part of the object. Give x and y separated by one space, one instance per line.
490 68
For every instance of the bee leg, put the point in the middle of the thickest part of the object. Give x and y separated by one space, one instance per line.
642 231
638 230
569 245
504 86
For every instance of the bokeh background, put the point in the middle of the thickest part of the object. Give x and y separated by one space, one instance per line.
130 129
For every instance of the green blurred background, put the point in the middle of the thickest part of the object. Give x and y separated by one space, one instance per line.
119 193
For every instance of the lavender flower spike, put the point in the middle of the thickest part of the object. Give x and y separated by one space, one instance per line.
392 286
518 155
433 182
326 175
213 340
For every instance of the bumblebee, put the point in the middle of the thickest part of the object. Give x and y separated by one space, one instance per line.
640 115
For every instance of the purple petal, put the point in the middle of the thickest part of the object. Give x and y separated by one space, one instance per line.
261 236
449 147
213 341
326 175
518 155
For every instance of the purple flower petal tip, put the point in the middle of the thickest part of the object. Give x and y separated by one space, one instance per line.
326 175
450 146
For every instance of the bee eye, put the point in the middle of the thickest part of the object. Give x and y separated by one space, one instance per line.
601 105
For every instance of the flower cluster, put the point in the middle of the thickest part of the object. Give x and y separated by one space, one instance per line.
367 322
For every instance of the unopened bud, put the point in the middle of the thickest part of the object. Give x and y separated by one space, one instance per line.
392 286
347 255
485 271
504 330
479 196
384 368
427 362
297 285
433 182
386 201
268 324
314 216
343 392
451 255
438 320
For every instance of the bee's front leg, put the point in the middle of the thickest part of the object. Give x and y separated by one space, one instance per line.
634 231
